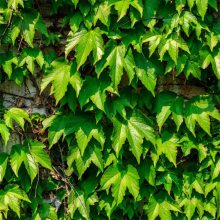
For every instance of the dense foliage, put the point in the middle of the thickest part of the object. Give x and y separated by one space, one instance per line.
119 141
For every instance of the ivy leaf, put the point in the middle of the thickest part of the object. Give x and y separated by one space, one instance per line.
117 60
119 136
160 205
122 6
16 114
92 154
103 14
86 42
83 125
120 180
216 170
3 165
119 105
21 155
202 6
93 90
76 82
30 157
85 133
4 131
15 3
188 20
77 201
189 206
75 2
213 4
39 154
191 3
216 63
192 67
136 127
198 109
29 24
146 72
11 196
29 56
148 171
168 145
154 40
7 60
214 59
172 45
60 75
168 103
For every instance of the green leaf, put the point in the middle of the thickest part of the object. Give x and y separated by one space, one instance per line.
3 165
137 127
189 206
76 82
29 56
15 3
86 42
21 155
191 3
39 154
103 13
75 2
172 45
216 63
75 21
168 103
119 136
146 72
188 20
213 4
150 9
93 90
206 58
160 205
4 131
92 154
168 145
83 125
120 180
154 40
85 133
148 171
193 68
199 109
7 61
59 76
117 60
17 115
122 6
11 196
77 201
202 6
28 25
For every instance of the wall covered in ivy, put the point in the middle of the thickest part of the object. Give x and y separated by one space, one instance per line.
110 109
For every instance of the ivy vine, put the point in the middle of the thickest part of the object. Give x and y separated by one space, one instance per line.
130 97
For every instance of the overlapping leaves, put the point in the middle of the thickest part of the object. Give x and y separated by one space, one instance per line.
121 146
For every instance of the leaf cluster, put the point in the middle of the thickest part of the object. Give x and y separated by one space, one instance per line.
131 94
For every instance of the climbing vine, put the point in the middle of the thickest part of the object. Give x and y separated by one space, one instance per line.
130 121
